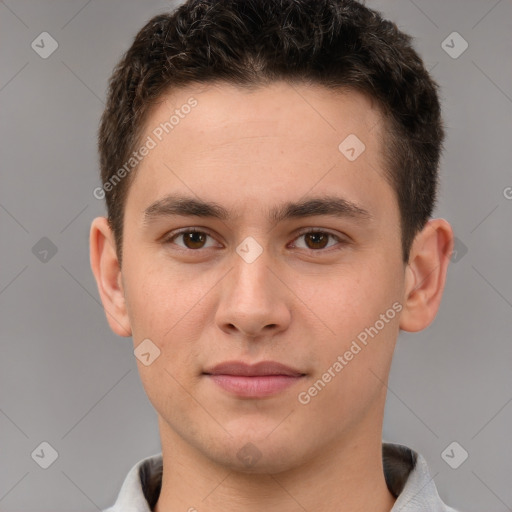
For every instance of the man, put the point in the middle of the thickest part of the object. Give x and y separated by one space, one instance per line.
270 171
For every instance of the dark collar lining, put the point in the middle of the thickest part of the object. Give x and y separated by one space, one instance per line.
150 474
398 462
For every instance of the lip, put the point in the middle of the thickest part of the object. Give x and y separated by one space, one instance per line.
258 380
263 368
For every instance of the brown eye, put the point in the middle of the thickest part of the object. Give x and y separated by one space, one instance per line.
190 239
194 239
316 240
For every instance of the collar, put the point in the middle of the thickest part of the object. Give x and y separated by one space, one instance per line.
406 473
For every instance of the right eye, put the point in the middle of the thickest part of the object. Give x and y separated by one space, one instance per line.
192 239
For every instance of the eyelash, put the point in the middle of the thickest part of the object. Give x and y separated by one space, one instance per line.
175 234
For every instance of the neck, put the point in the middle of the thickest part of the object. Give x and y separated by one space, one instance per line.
343 477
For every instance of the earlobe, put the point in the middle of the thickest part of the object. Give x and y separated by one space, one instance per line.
106 270
426 275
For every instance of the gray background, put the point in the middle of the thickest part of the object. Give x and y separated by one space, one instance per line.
65 378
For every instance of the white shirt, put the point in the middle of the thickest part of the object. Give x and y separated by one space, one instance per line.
406 473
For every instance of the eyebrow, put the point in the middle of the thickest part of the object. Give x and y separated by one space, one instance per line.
334 206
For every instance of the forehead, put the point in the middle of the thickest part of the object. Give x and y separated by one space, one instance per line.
312 111
219 141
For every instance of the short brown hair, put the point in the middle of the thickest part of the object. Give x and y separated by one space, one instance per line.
338 44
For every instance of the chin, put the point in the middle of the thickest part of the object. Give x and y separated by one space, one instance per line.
257 455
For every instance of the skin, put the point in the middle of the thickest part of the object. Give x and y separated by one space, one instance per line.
301 302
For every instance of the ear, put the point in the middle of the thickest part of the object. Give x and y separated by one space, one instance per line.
426 275
106 270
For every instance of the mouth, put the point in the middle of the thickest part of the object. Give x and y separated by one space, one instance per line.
259 380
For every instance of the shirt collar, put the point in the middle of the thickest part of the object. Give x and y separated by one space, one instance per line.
406 472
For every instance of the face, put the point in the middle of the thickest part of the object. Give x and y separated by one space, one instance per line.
298 262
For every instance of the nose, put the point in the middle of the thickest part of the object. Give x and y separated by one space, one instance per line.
253 300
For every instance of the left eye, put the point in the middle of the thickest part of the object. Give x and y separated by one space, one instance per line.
317 240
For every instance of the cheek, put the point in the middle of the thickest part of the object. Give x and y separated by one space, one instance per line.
160 301
169 309
352 298
359 312
349 379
